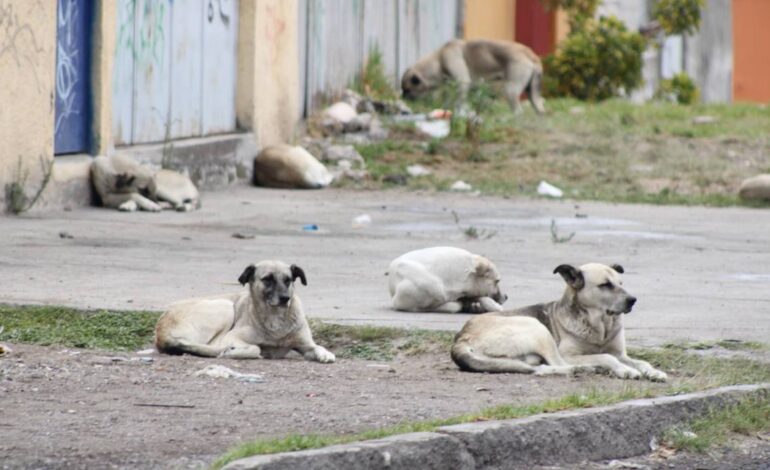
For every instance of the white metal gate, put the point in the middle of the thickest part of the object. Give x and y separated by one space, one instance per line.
175 69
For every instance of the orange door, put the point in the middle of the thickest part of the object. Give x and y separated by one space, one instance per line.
751 50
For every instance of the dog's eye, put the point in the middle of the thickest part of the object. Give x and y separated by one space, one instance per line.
287 281
267 280
606 285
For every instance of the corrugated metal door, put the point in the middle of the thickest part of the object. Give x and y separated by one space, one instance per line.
175 69
73 84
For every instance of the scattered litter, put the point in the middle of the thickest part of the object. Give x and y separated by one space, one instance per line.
145 352
704 120
436 129
363 220
310 228
482 389
243 236
222 372
654 444
440 114
378 366
3 348
689 435
409 117
547 189
63 234
460 185
161 405
146 360
417 170
311 395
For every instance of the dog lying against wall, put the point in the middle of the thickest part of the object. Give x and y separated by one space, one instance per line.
444 279
288 166
124 184
582 330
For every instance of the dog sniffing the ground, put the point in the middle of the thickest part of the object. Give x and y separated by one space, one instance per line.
444 279
266 320
124 184
466 61
582 330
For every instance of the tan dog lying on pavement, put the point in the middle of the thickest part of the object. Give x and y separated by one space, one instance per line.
582 330
444 279
264 321
466 61
124 184
288 166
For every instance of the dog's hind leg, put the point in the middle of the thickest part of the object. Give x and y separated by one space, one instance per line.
181 346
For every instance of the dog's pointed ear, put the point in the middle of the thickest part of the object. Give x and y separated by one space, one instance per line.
618 268
572 276
297 272
481 265
248 275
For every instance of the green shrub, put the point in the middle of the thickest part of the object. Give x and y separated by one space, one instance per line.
678 16
578 11
680 88
597 62
373 80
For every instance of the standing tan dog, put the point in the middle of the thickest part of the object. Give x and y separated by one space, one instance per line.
444 279
582 330
465 61
264 321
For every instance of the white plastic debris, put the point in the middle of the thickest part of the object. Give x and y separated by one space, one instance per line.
145 352
417 170
221 372
689 435
460 185
361 221
436 129
547 189
704 120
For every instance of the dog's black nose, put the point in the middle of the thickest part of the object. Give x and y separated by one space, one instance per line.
284 299
631 301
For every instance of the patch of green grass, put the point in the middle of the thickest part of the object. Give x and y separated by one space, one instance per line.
101 329
748 417
731 344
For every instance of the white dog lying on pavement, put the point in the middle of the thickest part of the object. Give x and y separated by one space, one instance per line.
444 279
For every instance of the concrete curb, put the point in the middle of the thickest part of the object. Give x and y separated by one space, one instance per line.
610 432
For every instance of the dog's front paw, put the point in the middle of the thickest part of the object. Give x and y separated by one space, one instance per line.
324 356
627 373
656 375
153 207
128 206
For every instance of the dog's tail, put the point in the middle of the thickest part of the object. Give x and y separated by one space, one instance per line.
469 360
534 89
176 347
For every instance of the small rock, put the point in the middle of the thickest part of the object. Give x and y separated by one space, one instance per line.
340 153
395 178
361 221
698 120
435 129
353 98
341 112
417 170
243 236
65 235
547 189
460 186
756 188
359 123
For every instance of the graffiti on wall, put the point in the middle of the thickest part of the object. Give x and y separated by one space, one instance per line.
66 62
18 41
146 44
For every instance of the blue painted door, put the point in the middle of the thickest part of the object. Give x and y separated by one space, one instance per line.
73 81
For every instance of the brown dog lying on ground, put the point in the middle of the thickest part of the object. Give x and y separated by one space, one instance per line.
264 321
466 61
583 330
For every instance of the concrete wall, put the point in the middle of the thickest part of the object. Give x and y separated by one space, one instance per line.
267 93
490 19
27 65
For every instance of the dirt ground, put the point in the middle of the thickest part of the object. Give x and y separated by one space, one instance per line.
68 408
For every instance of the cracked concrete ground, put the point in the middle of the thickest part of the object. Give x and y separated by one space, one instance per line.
699 273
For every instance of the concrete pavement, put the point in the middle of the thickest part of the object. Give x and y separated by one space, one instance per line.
699 273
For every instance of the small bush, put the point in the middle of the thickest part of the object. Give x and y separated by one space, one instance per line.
680 88
598 62
578 11
373 80
678 16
